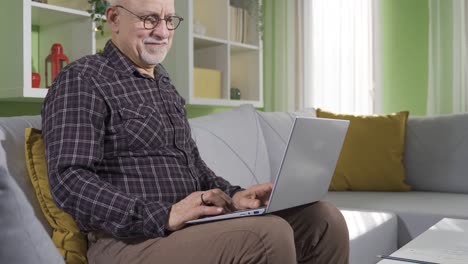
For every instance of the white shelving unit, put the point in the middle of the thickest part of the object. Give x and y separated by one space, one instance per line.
71 28
239 62
62 21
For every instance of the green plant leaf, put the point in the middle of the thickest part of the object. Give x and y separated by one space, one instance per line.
97 13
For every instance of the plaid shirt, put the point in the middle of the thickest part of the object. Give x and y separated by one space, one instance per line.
119 148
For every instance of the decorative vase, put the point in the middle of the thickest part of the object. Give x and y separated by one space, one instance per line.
36 80
54 63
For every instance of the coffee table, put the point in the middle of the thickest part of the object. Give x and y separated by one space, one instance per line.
445 242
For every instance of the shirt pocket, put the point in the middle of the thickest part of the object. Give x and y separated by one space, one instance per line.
143 127
181 124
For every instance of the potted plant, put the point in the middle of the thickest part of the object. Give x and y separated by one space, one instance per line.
97 11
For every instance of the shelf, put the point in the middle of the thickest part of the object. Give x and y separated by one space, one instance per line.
36 92
40 26
225 102
82 5
71 28
245 66
212 15
242 47
202 42
238 63
46 15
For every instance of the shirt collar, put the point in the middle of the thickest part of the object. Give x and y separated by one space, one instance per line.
123 64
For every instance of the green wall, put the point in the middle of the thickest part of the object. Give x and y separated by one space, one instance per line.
35 48
19 108
201 110
404 55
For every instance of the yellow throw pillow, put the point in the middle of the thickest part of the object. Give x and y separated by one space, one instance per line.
372 155
66 235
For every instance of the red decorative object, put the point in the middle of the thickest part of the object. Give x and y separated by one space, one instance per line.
36 80
57 61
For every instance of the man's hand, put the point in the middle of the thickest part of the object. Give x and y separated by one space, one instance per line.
192 207
254 197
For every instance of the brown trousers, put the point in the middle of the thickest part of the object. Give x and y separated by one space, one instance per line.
314 233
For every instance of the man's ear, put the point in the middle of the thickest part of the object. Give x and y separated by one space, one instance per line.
113 19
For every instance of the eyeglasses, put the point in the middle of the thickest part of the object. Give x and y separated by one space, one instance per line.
152 21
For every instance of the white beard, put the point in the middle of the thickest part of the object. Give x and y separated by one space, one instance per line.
155 57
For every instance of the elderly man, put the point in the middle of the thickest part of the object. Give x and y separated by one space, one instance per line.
122 162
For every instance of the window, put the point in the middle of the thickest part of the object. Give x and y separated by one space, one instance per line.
338 56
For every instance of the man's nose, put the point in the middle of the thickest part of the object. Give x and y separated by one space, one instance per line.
161 30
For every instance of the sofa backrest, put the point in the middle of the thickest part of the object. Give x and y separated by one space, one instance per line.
436 149
12 157
232 144
436 153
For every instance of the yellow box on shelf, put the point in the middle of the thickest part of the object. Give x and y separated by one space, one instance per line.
207 83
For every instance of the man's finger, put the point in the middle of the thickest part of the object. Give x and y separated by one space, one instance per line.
219 199
209 210
223 196
250 203
262 189
200 211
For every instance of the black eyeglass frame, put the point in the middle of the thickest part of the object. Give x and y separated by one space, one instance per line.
144 19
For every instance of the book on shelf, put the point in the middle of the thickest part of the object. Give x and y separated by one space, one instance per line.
240 24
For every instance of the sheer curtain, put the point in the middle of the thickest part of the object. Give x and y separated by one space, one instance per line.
448 69
279 60
338 55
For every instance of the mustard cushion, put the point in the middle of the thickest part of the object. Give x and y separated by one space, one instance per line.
66 235
372 155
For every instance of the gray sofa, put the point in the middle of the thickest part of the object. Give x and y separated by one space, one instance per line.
244 146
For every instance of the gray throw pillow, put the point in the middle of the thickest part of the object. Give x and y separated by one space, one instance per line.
436 153
12 157
23 239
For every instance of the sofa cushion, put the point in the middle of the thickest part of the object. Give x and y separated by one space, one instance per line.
68 239
12 157
436 153
23 238
232 144
417 211
372 155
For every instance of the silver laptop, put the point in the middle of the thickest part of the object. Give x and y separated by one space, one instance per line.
306 169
